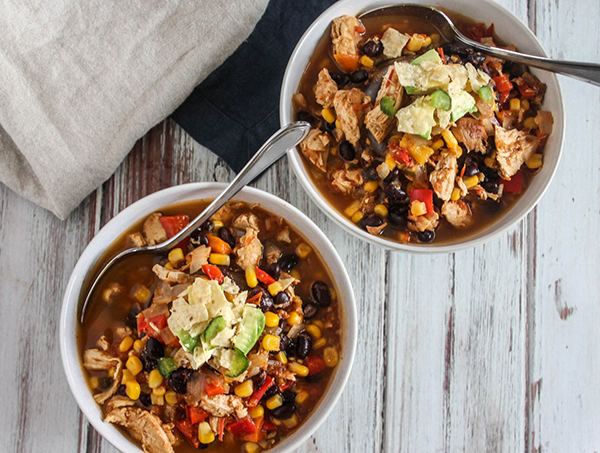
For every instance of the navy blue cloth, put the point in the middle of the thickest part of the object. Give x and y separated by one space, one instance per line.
236 108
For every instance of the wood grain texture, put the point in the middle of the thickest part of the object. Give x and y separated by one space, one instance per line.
489 349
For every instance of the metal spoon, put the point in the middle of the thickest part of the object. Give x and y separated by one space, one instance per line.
587 72
273 149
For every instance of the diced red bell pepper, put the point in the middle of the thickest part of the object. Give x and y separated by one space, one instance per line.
283 387
268 425
526 91
263 277
423 195
241 428
196 414
514 185
213 272
258 394
213 386
402 156
315 364
153 326
503 84
174 224
185 427
257 435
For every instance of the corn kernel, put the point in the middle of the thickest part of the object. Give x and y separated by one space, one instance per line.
455 194
330 356
157 400
217 225
270 342
427 42
515 104
371 186
449 138
251 447
415 43
138 345
314 331
291 422
530 123
366 61
471 181
271 319
126 344
357 217
258 411
94 382
142 294
296 274
303 250
525 105
245 389
127 376
276 421
160 390
352 208
282 357
274 402
176 257
297 368
219 259
437 145
381 210
134 364
328 115
251 279
320 343
133 390
418 208
169 266
171 397
275 288
338 125
318 322
390 161
489 161
302 397
535 161
205 434
294 318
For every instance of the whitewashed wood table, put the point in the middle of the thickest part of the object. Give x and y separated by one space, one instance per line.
491 349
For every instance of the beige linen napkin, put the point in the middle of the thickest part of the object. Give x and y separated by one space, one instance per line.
82 80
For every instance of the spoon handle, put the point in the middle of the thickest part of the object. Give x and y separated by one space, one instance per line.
588 72
273 149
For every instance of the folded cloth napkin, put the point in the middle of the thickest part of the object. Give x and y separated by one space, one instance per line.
82 80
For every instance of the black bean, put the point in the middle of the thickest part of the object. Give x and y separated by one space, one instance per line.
304 344
426 236
320 293
179 379
288 262
266 301
372 221
198 238
328 127
471 167
148 363
274 270
394 175
340 79
105 382
145 399
347 150
490 186
370 174
373 48
207 227
282 300
290 346
397 215
271 391
227 236
260 379
306 116
395 193
122 389
289 396
310 310
359 76
284 411
476 59
154 349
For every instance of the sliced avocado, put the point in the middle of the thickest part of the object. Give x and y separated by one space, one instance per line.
213 328
187 341
462 104
387 106
253 324
485 93
239 364
426 136
431 56
410 90
440 99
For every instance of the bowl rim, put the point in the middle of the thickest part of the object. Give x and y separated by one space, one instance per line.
301 173
69 311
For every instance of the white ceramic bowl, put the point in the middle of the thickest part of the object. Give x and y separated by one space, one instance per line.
509 28
151 203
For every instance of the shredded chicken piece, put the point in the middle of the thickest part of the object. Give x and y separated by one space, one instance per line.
226 213
442 178
375 231
198 258
143 426
154 233
97 360
272 252
246 220
283 235
513 148
316 148
351 107
170 276
424 222
118 401
122 332
367 204
135 240
248 250
457 213
223 405
345 181
472 133
376 121
325 89
344 35
484 194
103 343
257 361
278 369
